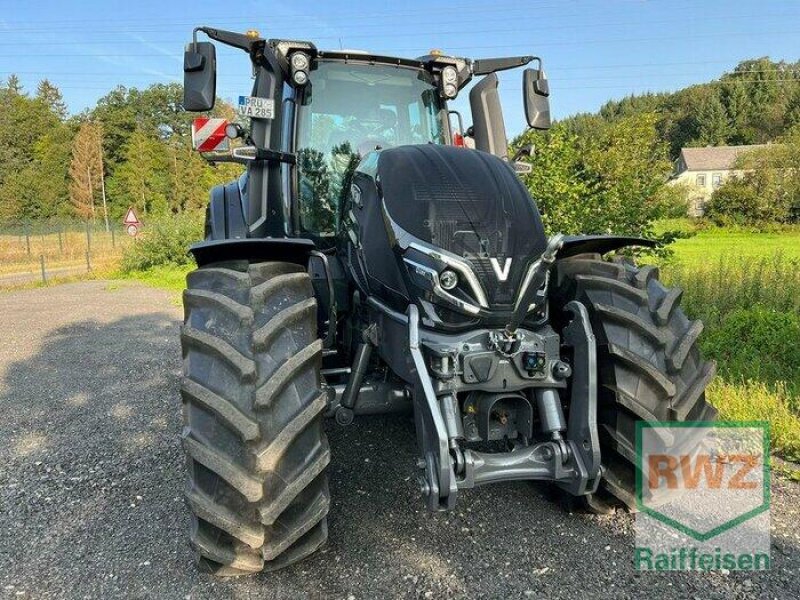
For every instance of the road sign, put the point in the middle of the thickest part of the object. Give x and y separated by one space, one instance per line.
131 222
130 218
209 134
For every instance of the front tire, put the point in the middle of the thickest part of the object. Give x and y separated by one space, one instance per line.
256 451
649 366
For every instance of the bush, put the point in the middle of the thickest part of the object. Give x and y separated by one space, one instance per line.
672 201
742 201
609 181
768 190
758 344
164 242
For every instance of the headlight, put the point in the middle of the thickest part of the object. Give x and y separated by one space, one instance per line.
299 61
300 64
448 279
300 77
450 90
449 75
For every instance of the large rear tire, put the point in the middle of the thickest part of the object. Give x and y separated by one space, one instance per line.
256 451
649 366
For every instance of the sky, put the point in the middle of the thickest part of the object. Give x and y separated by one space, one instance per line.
593 50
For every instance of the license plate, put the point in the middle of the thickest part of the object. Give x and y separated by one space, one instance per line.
257 108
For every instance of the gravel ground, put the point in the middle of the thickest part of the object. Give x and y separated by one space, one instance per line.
91 474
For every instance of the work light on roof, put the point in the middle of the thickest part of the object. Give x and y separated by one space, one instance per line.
300 64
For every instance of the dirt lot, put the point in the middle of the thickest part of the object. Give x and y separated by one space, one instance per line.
91 475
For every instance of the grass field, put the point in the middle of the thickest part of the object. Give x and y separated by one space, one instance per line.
713 244
745 287
171 278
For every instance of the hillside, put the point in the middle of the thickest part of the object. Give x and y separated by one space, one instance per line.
755 103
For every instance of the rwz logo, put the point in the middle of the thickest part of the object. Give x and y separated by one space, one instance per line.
691 470
501 272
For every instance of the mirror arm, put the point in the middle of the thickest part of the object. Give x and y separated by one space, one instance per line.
245 155
230 38
484 66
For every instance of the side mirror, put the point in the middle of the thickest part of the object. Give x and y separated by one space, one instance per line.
199 76
536 95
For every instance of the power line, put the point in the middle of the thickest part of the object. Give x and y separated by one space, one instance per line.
784 69
516 88
438 32
526 7
473 47
732 75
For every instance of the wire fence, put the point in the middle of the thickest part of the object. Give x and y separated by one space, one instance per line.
45 250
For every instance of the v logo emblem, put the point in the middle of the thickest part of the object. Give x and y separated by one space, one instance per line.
502 274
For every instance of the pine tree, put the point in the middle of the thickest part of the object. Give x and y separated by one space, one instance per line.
51 96
142 178
712 118
792 117
738 107
85 170
14 85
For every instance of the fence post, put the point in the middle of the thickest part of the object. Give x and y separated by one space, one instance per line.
27 238
44 275
113 239
60 244
88 263
88 238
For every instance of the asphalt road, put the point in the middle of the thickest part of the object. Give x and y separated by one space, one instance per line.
91 474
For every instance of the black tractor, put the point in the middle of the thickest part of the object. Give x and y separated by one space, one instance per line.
375 257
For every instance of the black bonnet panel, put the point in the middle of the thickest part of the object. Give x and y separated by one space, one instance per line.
469 203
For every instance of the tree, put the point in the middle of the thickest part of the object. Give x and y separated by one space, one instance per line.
51 96
767 191
52 154
32 141
142 177
14 85
316 205
608 182
157 111
714 128
738 108
760 99
86 170
793 110
190 178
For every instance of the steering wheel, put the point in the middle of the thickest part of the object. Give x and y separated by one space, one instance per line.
371 144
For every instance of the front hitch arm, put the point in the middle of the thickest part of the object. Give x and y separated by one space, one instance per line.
534 280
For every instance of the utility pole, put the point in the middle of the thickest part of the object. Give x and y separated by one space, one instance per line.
103 186
91 191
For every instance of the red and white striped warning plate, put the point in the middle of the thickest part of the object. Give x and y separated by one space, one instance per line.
209 134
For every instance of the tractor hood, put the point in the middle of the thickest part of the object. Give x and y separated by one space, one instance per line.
447 209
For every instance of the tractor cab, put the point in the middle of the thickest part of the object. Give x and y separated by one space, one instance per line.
347 110
321 112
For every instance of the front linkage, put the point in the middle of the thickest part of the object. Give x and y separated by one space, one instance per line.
503 373
570 458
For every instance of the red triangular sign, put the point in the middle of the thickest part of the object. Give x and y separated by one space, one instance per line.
130 217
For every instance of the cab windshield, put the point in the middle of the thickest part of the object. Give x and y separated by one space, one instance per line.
349 110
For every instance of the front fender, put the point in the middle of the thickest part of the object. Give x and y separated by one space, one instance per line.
599 244
294 250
